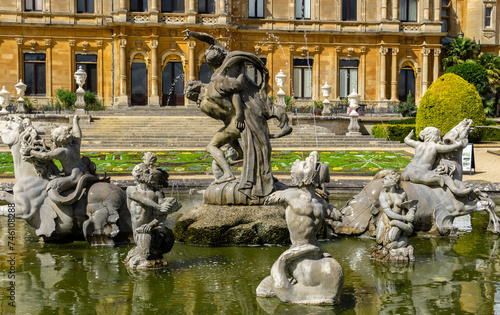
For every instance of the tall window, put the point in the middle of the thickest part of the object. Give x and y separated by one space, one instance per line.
408 10
302 9
139 83
172 6
172 84
89 65
253 73
349 10
138 5
34 74
302 78
487 17
406 83
256 8
33 5
205 73
348 76
85 6
206 6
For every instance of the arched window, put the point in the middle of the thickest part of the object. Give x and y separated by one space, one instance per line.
139 82
172 84
406 83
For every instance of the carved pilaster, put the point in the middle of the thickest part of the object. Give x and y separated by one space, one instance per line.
19 41
72 42
48 42
98 43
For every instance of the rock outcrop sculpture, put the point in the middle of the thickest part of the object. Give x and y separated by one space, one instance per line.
434 178
64 207
316 278
149 210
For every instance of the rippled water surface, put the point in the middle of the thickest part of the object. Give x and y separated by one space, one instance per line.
450 276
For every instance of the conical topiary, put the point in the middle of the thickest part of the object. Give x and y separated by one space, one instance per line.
448 101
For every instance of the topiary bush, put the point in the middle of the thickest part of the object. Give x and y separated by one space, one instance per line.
448 101
392 132
472 73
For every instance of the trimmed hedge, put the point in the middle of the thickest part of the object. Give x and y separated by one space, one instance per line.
491 134
392 132
447 102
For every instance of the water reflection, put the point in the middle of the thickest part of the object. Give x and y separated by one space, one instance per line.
450 275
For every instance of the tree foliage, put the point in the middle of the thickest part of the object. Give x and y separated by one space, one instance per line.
448 101
459 51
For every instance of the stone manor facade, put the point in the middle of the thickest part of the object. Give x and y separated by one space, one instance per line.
135 54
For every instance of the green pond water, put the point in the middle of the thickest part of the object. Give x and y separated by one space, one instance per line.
450 276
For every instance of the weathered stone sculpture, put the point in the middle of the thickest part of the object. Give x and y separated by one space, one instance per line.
233 212
317 278
149 210
244 107
434 178
395 224
65 208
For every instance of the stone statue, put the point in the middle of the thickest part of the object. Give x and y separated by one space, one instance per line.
149 210
427 168
395 224
244 107
98 213
67 141
434 178
317 278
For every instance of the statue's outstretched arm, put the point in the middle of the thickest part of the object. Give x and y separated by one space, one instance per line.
143 200
385 205
53 154
445 148
409 141
204 37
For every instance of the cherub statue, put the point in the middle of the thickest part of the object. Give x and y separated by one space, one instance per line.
67 141
395 223
149 210
317 278
423 170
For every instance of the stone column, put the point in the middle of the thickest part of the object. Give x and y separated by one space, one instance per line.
192 11
316 72
362 73
153 5
48 54
394 74
395 10
270 64
122 11
154 100
383 13
435 74
437 11
192 60
425 69
426 10
222 14
100 68
335 85
123 99
383 75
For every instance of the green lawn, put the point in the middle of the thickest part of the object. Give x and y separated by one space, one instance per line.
196 162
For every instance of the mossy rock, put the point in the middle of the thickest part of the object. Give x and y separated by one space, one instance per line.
447 102
217 225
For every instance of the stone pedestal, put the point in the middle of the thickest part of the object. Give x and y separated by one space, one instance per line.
80 102
326 108
20 106
354 125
